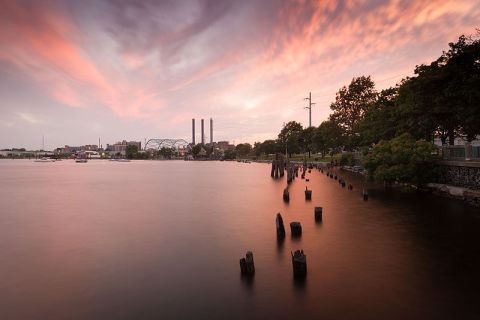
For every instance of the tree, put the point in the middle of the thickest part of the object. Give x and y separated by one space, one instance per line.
257 149
270 146
166 152
350 105
328 137
243 149
444 98
402 159
380 120
230 154
461 63
289 137
196 149
306 140
131 151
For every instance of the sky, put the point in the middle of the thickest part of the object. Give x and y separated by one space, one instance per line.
79 71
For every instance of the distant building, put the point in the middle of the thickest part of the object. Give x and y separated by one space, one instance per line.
121 147
224 145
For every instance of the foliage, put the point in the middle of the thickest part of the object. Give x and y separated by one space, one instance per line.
131 152
166 153
230 154
290 135
306 140
328 137
196 149
266 147
401 159
380 120
444 98
347 159
243 149
351 103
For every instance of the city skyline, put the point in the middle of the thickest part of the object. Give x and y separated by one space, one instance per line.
75 72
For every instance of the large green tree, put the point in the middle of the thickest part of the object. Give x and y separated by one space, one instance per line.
443 99
381 119
289 137
350 105
328 137
306 140
461 64
243 149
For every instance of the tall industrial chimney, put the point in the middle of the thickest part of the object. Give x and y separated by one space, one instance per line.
193 131
211 131
203 133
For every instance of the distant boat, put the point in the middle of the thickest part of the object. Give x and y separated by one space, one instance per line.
81 160
44 159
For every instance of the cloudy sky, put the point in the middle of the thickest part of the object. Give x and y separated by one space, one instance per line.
76 71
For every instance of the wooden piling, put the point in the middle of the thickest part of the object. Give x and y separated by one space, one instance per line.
308 194
247 267
299 263
295 229
365 195
280 226
286 195
318 212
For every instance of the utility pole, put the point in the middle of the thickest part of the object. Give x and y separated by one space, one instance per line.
310 104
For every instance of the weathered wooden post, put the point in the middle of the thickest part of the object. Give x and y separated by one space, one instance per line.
286 195
308 194
295 229
299 263
280 226
365 194
318 214
247 267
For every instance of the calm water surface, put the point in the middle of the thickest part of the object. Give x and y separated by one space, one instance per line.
162 240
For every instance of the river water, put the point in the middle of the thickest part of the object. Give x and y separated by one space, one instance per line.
163 239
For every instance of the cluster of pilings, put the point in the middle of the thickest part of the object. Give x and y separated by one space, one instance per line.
247 267
292 172
343 183
299 259
278 166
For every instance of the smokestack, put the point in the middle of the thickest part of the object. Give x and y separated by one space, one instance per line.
193 131
211 131
203 132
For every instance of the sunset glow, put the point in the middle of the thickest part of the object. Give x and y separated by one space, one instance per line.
79 70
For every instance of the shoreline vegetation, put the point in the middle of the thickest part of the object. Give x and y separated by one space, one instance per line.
391 133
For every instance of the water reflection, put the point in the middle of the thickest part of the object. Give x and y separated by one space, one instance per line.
299 284
280 243
248 282
367 260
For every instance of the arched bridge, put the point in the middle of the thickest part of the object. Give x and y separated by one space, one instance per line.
157 144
